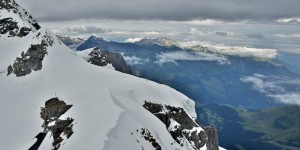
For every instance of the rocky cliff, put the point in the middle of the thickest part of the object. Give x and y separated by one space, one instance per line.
99 57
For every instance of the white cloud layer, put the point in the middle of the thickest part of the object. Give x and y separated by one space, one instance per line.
207 12
134 60
133 40
280 37
295 35
184 55
290 98
233 50
289 20
204 22
277 88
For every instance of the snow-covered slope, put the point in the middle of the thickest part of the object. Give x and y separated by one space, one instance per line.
108 106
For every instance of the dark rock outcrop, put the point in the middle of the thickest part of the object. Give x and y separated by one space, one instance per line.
6 4
181 127
53 109
147 136
31 60
33 57
102 58
8 25
213 142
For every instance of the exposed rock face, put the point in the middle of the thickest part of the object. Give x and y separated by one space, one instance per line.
212 143
102 58
33 57
7 25
6 4
31 60
147 136
51 113
97 57
10 26
181 127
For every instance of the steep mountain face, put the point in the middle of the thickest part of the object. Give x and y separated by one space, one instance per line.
10 23
49 92
99 57
180 127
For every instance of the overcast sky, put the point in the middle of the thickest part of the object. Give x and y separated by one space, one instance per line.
176 10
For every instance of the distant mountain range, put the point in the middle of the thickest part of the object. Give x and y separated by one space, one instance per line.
205 76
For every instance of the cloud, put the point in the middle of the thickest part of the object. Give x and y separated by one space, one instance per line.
290 98
172 57
289 21
259 84
294 35
181 10
222 33
294 21
134 60
204 22
281 89
81 30
258 36
231 50
133 40
195 31
85 31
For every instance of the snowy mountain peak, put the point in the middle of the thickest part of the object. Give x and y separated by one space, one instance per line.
108 107
94 38
15 21
16 26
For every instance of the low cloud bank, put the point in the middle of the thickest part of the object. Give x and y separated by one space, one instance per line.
134 60
282 90
231 50
172 57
